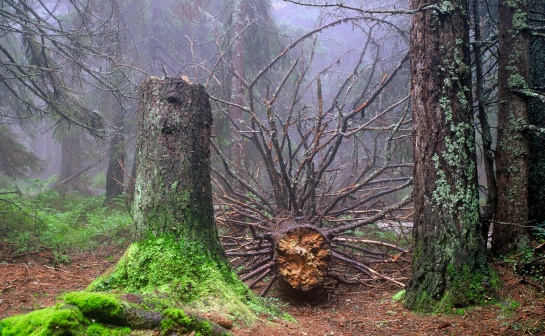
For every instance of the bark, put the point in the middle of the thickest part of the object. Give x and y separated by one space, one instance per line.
536 116
177 251
173 191
449 249
509 233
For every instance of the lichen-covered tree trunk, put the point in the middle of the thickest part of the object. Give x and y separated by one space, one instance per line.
536 116
509 233
449 249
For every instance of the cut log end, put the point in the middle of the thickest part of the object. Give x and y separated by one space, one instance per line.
303 255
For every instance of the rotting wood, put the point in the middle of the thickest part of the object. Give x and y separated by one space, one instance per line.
302 255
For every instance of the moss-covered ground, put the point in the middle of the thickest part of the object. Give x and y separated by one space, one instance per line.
161 283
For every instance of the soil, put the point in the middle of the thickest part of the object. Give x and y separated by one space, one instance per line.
33 282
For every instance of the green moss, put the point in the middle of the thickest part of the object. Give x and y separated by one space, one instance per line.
96 305
176 320
465 289
469 288
59 320
67 320
96 329
185 274
399 296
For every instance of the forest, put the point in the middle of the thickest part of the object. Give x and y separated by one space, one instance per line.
272 167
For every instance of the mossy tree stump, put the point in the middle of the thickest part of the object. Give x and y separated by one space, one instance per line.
177 261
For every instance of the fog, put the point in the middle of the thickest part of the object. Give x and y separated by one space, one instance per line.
339 78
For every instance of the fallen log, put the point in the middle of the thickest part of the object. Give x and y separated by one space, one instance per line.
302 254
300 257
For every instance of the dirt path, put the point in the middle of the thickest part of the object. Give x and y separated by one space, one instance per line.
32 284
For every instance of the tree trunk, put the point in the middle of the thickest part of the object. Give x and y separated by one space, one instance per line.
71 176
237 147
173 191
536 116
449 250
509 233
177 250
115 174
489 210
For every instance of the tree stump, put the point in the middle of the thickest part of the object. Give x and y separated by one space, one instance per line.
302 254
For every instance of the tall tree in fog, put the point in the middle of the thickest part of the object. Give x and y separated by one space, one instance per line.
449 248
240 20
510 233
43 65
250 41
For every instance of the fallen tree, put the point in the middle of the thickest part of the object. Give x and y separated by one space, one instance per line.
304 257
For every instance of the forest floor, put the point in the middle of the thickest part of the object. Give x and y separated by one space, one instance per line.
32 282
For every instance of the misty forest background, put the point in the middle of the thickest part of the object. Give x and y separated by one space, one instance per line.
313 119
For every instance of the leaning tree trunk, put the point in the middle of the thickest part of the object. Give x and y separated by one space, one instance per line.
449 249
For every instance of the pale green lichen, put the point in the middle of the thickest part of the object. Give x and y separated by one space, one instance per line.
520 20
445 8
517 82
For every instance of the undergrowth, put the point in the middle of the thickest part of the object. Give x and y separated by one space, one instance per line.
37 217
